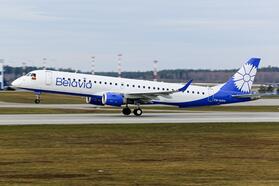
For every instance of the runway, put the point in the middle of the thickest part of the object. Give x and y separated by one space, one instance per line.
261 102
189 117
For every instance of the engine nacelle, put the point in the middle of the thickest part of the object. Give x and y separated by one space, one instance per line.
113 99
94 100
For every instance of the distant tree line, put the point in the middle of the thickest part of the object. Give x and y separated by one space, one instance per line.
266 75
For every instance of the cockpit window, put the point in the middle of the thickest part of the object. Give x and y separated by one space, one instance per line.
33 76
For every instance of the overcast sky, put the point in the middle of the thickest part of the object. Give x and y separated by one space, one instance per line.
207 34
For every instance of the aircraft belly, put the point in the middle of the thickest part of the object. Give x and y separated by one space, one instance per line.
179 98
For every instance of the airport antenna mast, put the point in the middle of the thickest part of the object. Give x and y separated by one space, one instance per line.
119 65
155 70
93 65
44 63
1 74
23 68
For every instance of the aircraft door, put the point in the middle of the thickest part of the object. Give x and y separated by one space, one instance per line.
210 94
48 77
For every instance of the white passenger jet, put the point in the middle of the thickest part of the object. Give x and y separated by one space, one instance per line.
112 91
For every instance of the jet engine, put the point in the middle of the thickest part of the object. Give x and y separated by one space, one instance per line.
94 100
113 99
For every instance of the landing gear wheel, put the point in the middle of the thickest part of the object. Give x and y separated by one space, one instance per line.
38 98
37 101
137 112
126 111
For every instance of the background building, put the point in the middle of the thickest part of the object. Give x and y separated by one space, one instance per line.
1 74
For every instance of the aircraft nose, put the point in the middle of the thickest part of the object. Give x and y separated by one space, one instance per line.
16 82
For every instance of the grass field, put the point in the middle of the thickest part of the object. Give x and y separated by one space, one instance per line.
271 97
224 108
144 154
29 97
54 111
145 109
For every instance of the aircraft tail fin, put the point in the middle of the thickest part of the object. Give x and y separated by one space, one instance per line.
241 82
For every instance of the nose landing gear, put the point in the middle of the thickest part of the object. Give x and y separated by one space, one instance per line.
37 101
38 98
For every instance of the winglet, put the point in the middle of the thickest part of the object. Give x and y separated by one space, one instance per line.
185 87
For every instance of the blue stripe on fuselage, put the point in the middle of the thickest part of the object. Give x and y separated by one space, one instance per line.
221 97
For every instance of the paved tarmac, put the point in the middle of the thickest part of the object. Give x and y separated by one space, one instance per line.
261 102
188 117
183 117
51 106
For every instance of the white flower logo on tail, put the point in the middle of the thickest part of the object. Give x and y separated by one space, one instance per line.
244 78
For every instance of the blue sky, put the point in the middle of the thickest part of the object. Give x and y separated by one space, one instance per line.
207 34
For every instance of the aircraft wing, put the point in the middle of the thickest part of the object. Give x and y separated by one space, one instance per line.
146 96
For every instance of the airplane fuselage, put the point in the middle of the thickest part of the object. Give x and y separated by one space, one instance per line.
103 90
95 86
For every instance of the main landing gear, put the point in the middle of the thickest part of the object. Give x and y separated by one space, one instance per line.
127 111
137 112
